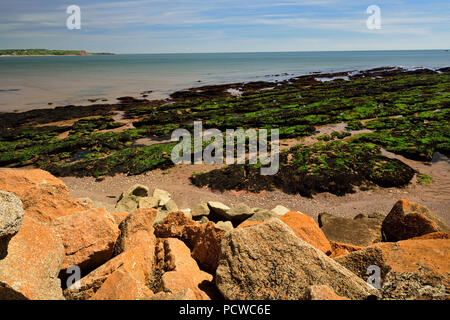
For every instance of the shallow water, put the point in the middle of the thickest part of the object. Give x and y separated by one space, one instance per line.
33 82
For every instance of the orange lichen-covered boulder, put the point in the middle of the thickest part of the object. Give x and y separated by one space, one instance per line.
306 229
88 238
408 219
44 196
203 239
322 292
184 272
136 263
30 270
410 269
136 229
339 249
122 285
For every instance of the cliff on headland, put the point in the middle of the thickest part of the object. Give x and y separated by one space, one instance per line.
46 52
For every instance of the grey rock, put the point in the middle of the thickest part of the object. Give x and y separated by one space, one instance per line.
280 210
200 209
170 206
148 202
262 215
225 225
162 195
218 208
11 215
238 213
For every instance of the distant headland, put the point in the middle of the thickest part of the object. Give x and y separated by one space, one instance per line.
46 52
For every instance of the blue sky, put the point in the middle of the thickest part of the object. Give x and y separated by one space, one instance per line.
158 26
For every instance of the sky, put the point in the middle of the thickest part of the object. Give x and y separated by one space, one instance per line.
176 26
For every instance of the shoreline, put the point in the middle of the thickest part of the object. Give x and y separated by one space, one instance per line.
271 81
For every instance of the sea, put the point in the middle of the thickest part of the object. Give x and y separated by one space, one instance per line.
48 81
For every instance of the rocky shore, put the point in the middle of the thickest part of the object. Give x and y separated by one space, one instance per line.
145 247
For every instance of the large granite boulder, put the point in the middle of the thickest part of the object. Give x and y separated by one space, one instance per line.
268 261
88 238
31 268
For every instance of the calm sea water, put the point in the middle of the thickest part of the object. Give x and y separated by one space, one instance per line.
33 82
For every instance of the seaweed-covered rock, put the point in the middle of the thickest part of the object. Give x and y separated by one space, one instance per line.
262 262
408 219
362 230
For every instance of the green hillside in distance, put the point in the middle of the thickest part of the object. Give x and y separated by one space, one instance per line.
46 52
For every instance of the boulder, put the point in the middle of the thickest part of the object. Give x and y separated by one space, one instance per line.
186 294
129 200
136 229
237 213
322 292
434 235
11 215
280 210
30 270
262 215
170 206
247 223
122 285
162 195
218 208
339 249
44 197
408 219
225 225
203 220
184 272
200 210
148 202
410 269
135 263
203 239
88 238
307 229
268 261
360 231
